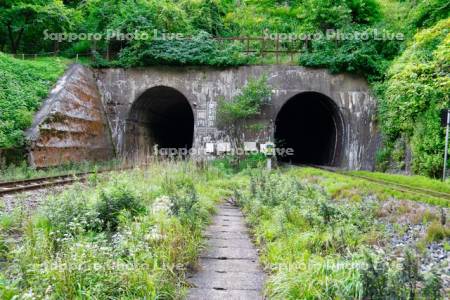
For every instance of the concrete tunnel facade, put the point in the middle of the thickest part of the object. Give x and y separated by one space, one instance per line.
327 119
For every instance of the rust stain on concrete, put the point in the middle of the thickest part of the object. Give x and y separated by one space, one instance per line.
71 126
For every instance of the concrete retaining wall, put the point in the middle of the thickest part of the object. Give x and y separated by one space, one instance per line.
71 125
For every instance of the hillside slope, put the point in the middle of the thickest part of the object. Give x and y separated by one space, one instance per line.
23 86
416 89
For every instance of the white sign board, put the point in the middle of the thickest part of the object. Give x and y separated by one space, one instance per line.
209 148
223 147
250 147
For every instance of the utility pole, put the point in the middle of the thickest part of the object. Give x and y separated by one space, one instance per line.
447 121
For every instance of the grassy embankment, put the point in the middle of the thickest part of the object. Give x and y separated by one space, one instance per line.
417 181
341 186
23 171
323 236
24 84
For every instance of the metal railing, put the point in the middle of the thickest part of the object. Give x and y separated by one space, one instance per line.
269 50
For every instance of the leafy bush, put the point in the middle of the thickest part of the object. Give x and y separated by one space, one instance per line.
368 57
374 277
428 13
248 103
231 164
433 287
382 159
114 201
22 24
198 50
70 214
253 17
225 164
4 248
253 161
382 280
271 190
234 115
184 199
185 202
412 97
23 86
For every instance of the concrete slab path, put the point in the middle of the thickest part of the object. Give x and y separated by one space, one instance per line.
229 266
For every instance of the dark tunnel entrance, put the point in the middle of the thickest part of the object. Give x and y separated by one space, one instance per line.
310 124
161 116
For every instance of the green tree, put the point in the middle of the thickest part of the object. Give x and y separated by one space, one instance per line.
201 49
21 18
208 16
129 17
427 13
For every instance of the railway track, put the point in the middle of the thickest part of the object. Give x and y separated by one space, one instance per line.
18 186
393 185
12 187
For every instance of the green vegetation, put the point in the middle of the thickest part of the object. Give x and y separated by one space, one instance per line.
410 75
200 50
249 103
135 233
200 20
23 86
413 181
235 116
317 247
437 232
127 235
21 22
23 171
417 88
229 164
304 236
340 186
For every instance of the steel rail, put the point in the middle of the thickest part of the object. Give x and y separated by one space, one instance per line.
397 186
17 186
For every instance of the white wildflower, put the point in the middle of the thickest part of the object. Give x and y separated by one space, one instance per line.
162 204
29 295
154 234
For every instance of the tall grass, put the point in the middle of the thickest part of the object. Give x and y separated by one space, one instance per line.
341 186
24 171
415 181
134 234
317 247
113 239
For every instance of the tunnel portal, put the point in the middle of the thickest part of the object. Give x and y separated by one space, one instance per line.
310 124
122 113
161 116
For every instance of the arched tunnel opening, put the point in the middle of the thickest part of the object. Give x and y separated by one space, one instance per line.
310 124
161 116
